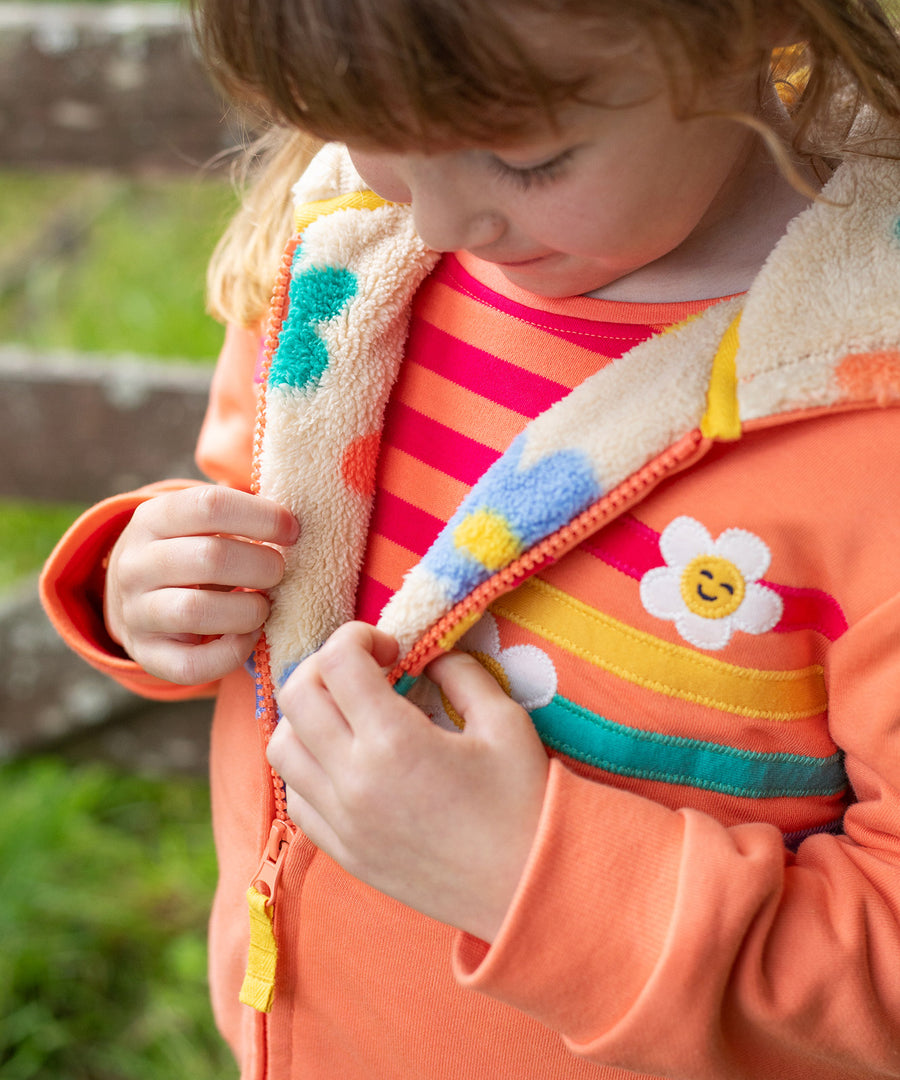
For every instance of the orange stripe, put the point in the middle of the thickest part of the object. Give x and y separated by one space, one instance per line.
386 561
428 488
458 408
527 346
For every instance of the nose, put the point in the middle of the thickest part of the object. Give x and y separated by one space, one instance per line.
449 208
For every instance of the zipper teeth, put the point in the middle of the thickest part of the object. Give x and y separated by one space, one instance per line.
277 312
268 709
551 547
268 717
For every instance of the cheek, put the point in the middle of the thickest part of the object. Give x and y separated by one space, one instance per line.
377 172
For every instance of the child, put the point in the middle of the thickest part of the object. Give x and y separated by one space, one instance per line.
576 373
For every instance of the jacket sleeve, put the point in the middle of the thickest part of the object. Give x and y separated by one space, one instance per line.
73 578
663 942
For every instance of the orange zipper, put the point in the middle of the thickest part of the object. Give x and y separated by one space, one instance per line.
443 634
258 988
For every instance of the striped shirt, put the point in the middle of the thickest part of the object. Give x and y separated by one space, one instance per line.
481 361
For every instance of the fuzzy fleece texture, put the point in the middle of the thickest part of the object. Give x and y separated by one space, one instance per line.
807 340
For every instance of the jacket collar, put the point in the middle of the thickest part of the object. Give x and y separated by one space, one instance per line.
819 329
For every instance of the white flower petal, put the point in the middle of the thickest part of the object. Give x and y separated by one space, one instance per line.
660 592
532 676
760 609
482 637
683 540
748 553
705 633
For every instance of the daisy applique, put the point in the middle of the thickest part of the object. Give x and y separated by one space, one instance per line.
710 588
525 672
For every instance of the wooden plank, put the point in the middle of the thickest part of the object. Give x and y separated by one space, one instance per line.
78 428
106 86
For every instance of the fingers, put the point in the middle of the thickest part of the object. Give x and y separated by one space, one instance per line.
191 565
313 717
207 509
351 666
474 692
199 612
195 663
200 560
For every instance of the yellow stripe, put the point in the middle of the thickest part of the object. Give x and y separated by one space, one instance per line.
659 665
357 200
722 419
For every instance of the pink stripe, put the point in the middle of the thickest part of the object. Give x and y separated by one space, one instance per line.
633 548
483 373
611 339
437 445
371 596
627 545
404 523
809 609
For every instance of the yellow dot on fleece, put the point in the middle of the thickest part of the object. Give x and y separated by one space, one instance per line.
487 537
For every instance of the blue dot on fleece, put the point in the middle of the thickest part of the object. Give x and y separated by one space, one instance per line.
318 294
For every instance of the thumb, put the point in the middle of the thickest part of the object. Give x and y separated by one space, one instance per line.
474 694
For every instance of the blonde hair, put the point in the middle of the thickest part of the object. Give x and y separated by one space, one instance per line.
245 261
402 73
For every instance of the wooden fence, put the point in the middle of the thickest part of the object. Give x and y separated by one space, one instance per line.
116 86
76 429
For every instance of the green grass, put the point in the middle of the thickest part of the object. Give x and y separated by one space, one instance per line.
93 262
28 532
105 884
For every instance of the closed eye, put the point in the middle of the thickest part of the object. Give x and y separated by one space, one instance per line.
531 175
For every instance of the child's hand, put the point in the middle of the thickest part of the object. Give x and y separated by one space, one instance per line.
440 821
169 598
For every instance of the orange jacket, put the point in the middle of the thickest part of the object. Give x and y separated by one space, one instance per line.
662 925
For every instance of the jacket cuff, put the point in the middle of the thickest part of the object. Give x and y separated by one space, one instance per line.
591 913
71 591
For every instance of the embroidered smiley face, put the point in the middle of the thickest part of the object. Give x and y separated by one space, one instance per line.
712 587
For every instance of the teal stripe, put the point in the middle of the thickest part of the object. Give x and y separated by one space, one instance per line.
404 684
583 735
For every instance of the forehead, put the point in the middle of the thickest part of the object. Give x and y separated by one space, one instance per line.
565 68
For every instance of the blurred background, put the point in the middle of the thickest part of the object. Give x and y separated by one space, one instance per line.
112 193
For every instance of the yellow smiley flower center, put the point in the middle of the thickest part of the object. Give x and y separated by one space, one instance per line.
490 664
712 587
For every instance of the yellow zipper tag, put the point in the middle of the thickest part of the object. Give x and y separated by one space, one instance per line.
258 989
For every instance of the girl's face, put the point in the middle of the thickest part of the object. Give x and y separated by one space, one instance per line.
606 192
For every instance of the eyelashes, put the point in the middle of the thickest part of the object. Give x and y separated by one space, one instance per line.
532 175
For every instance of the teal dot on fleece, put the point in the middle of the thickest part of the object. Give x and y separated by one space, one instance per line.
897 229
317 295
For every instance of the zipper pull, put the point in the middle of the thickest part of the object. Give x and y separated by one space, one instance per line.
266 880
258 989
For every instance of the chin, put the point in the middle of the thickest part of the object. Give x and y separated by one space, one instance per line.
555 285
